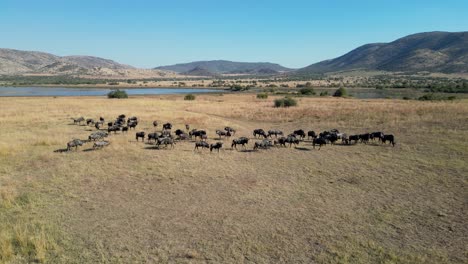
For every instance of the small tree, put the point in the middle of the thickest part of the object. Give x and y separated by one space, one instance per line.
340 92
119 94
307 91
325 93
285 102
262 96
189 97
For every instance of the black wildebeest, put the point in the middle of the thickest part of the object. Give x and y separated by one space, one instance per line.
113 129
259 132
231 130
78 120
201 144
364 138
89 121
98 125
132 119
354 138
319 141
179 132
125 129
140 135
390 138
132 124
165 141
311 134
275 132
292 140
153 136
74 143
167 126
197 133
281 141
300 133
155 123
216 146
240 141
221 133
183 136
376 135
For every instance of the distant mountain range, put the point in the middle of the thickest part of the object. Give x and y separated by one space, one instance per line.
23 62
431 51
217 67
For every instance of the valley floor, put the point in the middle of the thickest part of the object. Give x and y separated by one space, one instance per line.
132 203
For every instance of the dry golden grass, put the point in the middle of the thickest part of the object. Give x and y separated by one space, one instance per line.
132 203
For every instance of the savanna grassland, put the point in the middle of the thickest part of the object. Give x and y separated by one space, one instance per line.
132 203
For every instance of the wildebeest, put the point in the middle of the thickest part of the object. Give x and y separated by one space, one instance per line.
364 138
132 124
240 141
216 146
100 144
259 132
97 135
132 119
300 133
292 140
275 132
375 135
390 138
197 133
311 134
183 136
109 124
74 143
167 126
231 130
223 133
264 144
153 136
78 120
98 125
89 121
319 141
354 138
140 135
281 141
113 129
165 141
125 129
201 144
101 119
155 123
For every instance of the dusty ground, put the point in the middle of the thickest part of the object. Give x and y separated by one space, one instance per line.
131 203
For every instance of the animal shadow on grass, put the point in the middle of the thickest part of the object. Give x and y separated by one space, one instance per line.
61 150
247 150
302 148
89 149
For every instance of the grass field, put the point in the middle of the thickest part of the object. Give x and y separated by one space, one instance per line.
131 203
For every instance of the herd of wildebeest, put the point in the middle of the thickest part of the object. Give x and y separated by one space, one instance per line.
165 137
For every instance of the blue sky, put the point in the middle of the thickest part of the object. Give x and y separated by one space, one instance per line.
146 34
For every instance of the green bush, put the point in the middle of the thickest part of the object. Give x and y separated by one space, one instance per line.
119 94
262 96
307 91
434 97
285 102
340 92
189 97
324 93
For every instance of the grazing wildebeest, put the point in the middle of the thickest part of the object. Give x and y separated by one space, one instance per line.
240 141
166 133
101 119
165 141
132 119
167 126
292 140
183 136
100 144
132 124
89 121
113 129
354 138
153 136
109 124
155 123
197 133
125 129
97 135
332 138
300 133
264 144
281 141
204 137
364 138
220 133
216 146
140 135
201 144
98 125
319 141
390 138
275 132
179 132
122 116
311 134
375 135
231 130
78 120
74 143
259 132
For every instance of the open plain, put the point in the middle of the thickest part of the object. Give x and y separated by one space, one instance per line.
132 203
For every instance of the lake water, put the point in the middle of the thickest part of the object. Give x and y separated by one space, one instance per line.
66 91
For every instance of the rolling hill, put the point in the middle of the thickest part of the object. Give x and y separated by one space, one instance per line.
227 67
431 51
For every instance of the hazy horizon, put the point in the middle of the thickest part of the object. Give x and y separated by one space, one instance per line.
148 34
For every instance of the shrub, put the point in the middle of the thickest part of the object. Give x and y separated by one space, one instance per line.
262 96
324 93
434 97
238 88
285 102
340 92
307 91
119 94
406 98
189 97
